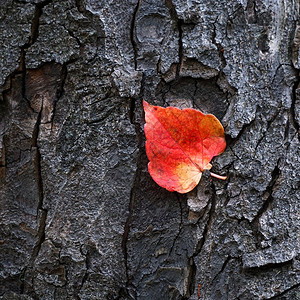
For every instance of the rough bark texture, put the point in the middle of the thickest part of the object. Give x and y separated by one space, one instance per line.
80 217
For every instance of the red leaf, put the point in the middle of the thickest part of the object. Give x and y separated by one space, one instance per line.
180 144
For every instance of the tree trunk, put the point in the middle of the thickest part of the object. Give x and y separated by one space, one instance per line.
80 217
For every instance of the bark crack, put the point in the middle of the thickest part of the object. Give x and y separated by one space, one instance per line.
192 278
179 22
86 274
269 266
269 123
71 33
32 39
269 190
180 47
135 186
132 33
40 210
180 224
219 46
223 267
208 224
278 296
266 205
199 247
296 87
231 141
60 90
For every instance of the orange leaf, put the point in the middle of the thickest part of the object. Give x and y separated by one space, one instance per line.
180 144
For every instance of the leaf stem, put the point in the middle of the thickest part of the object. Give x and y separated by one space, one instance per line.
218 176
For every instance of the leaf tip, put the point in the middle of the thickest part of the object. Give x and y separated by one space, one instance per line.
145 103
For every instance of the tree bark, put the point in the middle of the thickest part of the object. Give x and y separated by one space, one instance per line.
80 216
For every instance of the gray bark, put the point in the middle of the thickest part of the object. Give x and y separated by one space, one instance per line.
80 216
